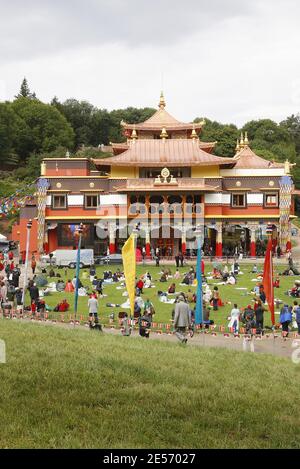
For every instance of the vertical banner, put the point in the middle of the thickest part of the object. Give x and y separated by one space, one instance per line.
42 187
77 275
199 302
268 279
286 186
129 264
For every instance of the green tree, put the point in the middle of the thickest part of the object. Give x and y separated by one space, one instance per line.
44 128
12 128
225 135
25 91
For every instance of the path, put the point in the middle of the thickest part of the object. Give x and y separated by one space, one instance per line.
277 346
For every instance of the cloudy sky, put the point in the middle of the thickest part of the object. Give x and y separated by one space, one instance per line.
228 60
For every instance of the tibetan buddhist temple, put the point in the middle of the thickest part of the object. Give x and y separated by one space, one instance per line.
163 182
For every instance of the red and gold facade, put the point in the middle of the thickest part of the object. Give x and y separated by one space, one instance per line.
162 177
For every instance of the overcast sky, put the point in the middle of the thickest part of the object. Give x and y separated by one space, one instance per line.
228 60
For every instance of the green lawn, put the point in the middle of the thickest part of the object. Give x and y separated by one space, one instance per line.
229 294
71 388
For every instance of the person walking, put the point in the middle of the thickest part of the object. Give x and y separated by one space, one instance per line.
182 319
177 260
285 319
93 313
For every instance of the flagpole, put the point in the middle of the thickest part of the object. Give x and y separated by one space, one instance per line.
80 229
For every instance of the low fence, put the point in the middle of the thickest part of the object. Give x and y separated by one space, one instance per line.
159 328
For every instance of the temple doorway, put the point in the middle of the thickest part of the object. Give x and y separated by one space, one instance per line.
167 240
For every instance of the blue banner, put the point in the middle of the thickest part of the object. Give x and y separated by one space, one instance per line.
77 275
199 302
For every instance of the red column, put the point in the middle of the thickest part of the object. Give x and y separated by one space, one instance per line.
252 249
219 249
148 250
112 248
219 240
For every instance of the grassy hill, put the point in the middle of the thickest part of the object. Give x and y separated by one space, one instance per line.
82 389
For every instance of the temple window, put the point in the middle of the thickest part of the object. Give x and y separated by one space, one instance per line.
271 199
91 201
238 200
59 201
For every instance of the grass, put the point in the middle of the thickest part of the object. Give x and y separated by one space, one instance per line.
66 388
229 294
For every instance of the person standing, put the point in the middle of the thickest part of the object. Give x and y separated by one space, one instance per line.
297 315
144 325
33 264
285 319
93 312
177 260
259 316
234 319
182 319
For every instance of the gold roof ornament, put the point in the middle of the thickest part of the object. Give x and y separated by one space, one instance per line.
134 134
246 141
288 166
237 148
194 135
162 102
242 140
163 134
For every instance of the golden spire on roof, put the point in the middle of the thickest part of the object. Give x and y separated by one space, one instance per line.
194 135
162 102
134 134
242 143
246 141
163 134
237 148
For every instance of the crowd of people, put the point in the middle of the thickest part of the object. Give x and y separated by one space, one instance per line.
183 311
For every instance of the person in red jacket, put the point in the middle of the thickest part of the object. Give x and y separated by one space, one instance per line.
10 255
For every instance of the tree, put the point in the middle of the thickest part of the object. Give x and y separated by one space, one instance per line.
12 128
44 128
25 91
225 135
292 125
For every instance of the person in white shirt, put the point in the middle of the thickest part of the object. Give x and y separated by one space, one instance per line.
234 319
231 280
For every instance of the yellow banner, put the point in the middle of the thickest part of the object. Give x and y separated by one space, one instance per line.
129 263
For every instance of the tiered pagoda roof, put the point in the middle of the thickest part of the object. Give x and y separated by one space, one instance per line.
170 153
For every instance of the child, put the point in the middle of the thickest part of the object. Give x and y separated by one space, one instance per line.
126 329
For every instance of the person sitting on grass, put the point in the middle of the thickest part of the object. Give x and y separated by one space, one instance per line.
69 286
63 306
139 287
231 279
177 275
74 282
172 288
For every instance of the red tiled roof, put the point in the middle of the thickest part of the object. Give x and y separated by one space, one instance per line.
158 153
246 158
